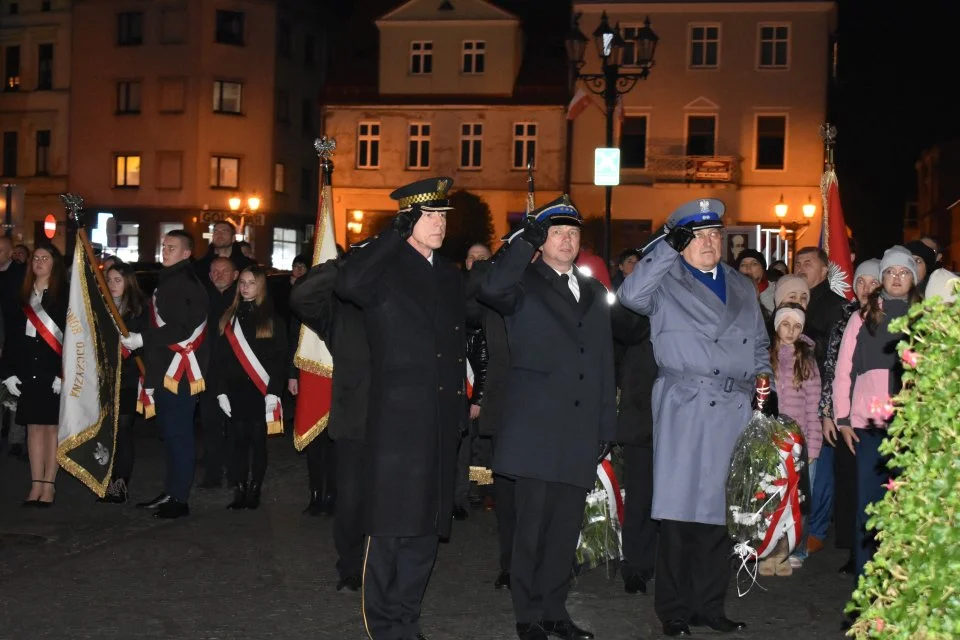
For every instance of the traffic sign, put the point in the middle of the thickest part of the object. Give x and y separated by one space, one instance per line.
606 166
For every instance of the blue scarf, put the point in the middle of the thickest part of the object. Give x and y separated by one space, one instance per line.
718 285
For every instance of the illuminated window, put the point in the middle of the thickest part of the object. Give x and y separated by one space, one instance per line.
224 172
126 171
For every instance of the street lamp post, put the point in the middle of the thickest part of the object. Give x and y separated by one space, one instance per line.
610 83
243 209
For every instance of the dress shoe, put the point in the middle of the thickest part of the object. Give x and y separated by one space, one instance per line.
459 513
172 509
116 492
503 581
239 497
527 631
672 628
253 496
723 624
351 583
814 544
313 507
30 503
155 503
634 584
565 629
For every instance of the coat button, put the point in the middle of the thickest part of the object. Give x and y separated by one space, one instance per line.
459 392
716 372
579 324
576 403
744 341
581 349
581 376
459 359
441 388
456 328
439 355
713 403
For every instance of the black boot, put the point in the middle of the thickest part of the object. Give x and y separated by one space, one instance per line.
313 509
253 496
239 496
328 505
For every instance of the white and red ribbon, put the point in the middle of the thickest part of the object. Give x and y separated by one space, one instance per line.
145 401
258 374
470 378
614 498
786 519
184 358
40 322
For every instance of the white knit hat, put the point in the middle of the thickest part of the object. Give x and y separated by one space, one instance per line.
941 283
898 256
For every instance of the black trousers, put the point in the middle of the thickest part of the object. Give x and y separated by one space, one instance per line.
693 570
548 517
123 456
348 521
395 576
461 489
504 491
321 465
249 439
213 434
639 529
844 496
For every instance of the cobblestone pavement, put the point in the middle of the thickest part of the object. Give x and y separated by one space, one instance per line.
87 570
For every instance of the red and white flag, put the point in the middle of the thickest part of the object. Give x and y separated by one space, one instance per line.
833 237
578 104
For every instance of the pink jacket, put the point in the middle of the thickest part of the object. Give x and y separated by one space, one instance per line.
854 391
800 404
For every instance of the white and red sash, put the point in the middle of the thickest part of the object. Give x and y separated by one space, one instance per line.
40 323
258 374
184 356
144 400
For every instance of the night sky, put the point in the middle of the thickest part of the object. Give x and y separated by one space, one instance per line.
897 71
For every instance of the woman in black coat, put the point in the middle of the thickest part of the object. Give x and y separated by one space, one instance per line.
127 295
252 368
33 367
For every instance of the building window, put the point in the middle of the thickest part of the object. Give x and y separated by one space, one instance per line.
771 143
128 242
286 246
224 172
524 144
701 135
172 92
11 67
170 170
418 146
279 177
226 96
128 96
44 67
10 154
774 46
306 186
421 57
130 29
126 171
368 145
284 40
229 27
633 142
309 51
43 152
173 26
704 46
474 56
630 48
471 145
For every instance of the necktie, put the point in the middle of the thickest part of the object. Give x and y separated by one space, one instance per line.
564 284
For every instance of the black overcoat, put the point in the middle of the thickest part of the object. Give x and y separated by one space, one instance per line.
560 396
636 373
414 314
498 351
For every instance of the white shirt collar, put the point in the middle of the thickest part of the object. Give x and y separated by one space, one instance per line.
712 272
430 258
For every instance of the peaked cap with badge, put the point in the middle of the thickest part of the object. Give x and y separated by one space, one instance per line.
706 213
558 212
429 193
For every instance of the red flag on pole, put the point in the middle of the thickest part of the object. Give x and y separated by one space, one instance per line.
833 237
578 104
312 357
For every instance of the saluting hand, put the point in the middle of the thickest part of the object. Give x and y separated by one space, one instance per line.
679 238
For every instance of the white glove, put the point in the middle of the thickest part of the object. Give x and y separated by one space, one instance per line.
57 385
132 341
13 385
272 402
224 404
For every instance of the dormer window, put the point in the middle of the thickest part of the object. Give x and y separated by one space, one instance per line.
474 56
421 57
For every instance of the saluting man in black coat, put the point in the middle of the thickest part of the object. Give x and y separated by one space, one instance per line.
559 408
413 304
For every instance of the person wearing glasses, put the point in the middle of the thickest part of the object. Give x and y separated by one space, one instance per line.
710 344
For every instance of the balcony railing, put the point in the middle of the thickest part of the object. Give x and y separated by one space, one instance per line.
667 162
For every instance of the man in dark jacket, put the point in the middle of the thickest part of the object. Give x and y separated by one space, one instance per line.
413 305
826 307
176 351
560 408
222 245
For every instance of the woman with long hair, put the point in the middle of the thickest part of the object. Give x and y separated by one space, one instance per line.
131 303
35 367
252 368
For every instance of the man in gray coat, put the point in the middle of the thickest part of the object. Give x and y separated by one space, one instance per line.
710 343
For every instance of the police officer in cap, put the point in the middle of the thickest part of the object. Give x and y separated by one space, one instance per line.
559 409
710 344
413 307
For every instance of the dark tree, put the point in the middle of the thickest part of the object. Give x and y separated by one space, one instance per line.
470 222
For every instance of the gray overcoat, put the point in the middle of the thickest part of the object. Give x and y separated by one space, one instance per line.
709 354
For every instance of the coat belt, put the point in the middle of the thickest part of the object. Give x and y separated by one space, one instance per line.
727 385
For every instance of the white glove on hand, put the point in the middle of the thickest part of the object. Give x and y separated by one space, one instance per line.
13 385
132 341
224 404
272 402
57 385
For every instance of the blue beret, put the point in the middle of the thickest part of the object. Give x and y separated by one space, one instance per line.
698 214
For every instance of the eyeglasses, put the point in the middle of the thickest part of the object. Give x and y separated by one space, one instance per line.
899 274
41 258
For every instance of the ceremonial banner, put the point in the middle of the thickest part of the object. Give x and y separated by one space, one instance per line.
90 394
313 357
833 233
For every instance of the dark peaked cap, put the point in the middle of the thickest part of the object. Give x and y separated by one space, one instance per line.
431 193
